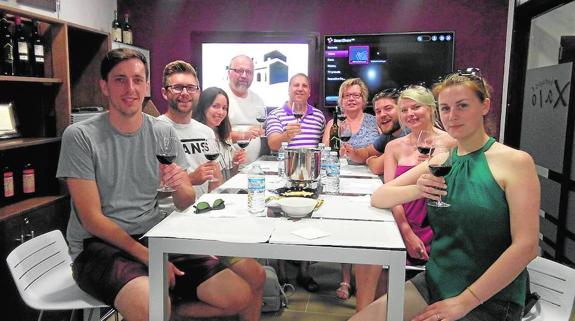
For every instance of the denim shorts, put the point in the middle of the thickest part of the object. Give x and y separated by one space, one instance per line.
492 310
102 270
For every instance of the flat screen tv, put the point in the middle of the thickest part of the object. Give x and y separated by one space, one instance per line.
389 60
276 57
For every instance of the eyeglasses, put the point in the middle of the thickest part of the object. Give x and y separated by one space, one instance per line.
240 72
203 207
351 95
473 74
178 89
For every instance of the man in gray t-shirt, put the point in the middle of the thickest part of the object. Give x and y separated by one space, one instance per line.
112 173
121 166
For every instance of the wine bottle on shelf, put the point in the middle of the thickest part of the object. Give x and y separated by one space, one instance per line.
37 50
116 28
8 182
127 31
6 47
334 141
28 179
21 50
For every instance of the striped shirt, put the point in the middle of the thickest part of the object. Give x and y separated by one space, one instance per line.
312 125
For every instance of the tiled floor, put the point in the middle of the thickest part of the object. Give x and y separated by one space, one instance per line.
322 305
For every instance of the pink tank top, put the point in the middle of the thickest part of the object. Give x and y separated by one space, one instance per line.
416 214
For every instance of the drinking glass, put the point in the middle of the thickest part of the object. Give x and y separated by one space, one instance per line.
341 117
439 164
212 153
243 139
166 149
299 109
344 136
425 141
344 132
261 117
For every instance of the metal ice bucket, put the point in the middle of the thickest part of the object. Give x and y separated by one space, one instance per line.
303 164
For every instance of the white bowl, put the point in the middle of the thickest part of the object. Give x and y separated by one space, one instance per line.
297 207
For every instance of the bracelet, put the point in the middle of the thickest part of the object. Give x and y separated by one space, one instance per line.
475 295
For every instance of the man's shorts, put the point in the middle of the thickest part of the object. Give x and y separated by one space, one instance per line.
102 270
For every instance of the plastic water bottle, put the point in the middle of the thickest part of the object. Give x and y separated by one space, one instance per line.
256 190
281 160
331 185
324 160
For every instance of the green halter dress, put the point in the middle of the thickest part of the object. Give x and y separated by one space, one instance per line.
472 233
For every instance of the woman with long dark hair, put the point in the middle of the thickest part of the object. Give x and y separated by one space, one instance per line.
212 111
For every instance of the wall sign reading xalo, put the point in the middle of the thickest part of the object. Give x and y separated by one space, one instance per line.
545 109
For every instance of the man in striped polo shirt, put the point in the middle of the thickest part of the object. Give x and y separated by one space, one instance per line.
282 126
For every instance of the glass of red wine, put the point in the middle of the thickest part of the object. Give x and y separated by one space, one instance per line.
166 151
341 117
299 109
344 136
439 165
212 153
243 139
344 132
425 142
261 118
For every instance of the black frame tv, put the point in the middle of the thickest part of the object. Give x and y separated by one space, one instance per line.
386 60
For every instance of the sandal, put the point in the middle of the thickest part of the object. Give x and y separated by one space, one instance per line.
343 292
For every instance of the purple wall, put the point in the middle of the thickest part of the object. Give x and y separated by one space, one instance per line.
164 27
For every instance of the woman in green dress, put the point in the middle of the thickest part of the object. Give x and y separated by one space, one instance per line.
482 242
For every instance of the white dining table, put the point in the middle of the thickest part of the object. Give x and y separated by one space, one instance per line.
233 232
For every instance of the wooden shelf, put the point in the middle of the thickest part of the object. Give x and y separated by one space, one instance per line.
11 10
24 142
39 80
27 205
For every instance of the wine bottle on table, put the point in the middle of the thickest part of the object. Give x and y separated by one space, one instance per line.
116 28
37 50
334 141
21 50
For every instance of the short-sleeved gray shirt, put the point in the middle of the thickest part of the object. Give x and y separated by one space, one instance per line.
124 167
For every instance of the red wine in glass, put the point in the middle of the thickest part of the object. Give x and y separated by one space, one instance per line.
425 142
211 156
243 143
425 150
439 165
165 150
439 170
166 159
261 120
298 116
345 138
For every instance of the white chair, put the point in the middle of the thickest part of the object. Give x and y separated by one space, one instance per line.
41 268
555 284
